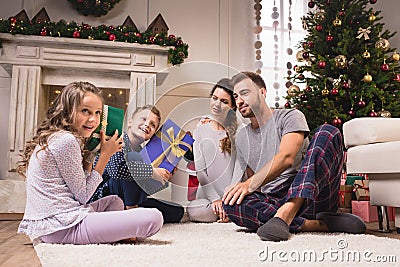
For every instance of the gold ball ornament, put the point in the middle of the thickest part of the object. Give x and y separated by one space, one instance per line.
319 16
367 78
372 17
299 56
325 92
384 113
298 69
293 90
366 54
396 56
337 22
341 61
382 44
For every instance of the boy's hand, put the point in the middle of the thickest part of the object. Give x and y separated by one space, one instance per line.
161 174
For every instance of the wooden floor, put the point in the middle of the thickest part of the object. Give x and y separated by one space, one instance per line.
17 250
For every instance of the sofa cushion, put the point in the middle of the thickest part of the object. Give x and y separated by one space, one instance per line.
374 158
362 131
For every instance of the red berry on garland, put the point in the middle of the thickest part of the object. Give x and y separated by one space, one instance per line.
373 1
321 64
171 36
13 20
311 4
361 103
352 113
138 34
179 43
334 91
373 114
287 105
385 67
329 38
346 85
43 32
76 34
111 28
319 28
337 122
152 39
126 34
112 37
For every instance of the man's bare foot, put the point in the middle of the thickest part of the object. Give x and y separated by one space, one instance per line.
223 220
131 240
131 207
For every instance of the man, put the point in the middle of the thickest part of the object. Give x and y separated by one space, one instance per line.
292 184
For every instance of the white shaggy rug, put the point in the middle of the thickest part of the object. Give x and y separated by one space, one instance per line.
190 244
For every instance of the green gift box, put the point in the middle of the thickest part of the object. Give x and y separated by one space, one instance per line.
112 119
350 179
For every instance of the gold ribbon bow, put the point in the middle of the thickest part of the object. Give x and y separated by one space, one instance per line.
173 147
363 32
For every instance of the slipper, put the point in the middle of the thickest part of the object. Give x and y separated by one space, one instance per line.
342 222
275 230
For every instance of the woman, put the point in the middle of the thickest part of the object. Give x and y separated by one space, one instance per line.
214 154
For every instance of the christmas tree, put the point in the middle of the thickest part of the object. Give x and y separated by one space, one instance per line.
346 67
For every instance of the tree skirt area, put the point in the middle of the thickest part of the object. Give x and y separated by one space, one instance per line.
215 244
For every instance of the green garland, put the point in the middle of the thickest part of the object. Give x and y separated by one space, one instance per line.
177 53
95 8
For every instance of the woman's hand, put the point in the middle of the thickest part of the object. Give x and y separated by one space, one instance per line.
218 210
161 174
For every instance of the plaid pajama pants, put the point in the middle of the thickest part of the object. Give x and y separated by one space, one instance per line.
317 181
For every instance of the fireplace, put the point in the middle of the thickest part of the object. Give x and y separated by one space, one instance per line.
41 66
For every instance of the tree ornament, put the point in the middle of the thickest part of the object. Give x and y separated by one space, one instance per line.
303 97
306 55
76 34
298 69
382 44
385 66
310 44
373 113
352 113
396 56
112 37
361 103
373 1
337 22
384 113
319 17
341 61
329 38
363 33
43 32
337 122
311 4
397 78
299 56
334 91
367 78
366 54
318 28
293 90
301 77
372 17
345 85
321 64
308 88
328 2
287 105
325 92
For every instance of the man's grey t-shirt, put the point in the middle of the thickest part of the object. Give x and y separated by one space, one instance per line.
255 147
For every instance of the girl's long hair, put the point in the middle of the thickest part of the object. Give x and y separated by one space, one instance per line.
227 144
59 116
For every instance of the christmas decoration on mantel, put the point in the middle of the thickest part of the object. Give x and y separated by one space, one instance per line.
346 67
122 33
95 8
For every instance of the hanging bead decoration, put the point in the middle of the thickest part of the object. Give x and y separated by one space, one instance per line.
257 31
289 51
275 23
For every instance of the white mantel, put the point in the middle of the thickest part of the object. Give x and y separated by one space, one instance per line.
35 61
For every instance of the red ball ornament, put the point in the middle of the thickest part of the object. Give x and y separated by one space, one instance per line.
385 67
311 4
361 103
137 34
310 44
13 20
342 13
346 85
306 55
373 1
334 91
319 28
112 37
397 78
152 39
321 64
76 34
171 36
352 113
329 38
303 97
301 77
287 105
43 32
126 34
373 114
337 122
179 43
108 33
308 88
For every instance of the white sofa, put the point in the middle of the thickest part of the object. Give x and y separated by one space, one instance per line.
374 148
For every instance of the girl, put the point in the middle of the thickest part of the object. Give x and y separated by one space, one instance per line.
127 176
214 154
60 180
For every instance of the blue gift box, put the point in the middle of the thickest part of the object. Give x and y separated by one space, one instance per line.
167 147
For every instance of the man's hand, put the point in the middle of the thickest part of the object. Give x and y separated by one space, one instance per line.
236 193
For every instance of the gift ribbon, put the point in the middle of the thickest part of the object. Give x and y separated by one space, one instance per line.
364 32
342 195
173 147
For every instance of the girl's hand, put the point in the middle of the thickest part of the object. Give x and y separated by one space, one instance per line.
110 147
218 210
161 174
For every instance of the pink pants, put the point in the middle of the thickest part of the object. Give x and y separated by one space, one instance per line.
110 223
